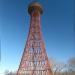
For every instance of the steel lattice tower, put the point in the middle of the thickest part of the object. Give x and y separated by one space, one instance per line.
34 60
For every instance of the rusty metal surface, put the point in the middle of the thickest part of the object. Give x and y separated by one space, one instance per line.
34 60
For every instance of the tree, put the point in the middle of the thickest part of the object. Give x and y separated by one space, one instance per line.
6 72
9 73
71 64
56 66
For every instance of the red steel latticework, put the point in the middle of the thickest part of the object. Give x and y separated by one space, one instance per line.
34 60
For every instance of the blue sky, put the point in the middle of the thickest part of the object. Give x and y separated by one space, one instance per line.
57 26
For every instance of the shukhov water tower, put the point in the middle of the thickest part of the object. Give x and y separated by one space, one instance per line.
34 59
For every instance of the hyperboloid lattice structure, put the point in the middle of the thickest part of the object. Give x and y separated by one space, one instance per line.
34 60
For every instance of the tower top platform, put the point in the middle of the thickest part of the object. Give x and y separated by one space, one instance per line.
35 6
